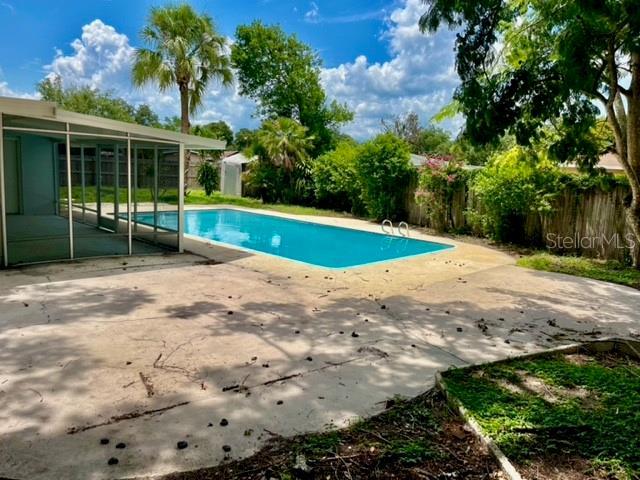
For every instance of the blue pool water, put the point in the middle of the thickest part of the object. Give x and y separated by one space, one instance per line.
312 243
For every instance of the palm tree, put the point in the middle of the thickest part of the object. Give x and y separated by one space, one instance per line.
285 143
183 49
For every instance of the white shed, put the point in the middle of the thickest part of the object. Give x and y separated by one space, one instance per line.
231 173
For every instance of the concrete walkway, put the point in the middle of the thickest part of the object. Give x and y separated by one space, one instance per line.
150 351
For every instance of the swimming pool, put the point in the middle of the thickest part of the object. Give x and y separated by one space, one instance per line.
312 243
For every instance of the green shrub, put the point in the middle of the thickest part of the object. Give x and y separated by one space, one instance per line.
440 178
283 170
384 172
514 184
208 177
335 179
263 180
274 184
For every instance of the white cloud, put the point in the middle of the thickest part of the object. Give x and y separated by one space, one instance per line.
101 58
419 77
6 91
313 14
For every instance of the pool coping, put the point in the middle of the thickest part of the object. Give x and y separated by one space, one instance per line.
593 346
446 247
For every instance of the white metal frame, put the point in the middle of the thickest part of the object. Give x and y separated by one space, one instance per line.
130 132
3 208
50 111
181 154
129 220
69 194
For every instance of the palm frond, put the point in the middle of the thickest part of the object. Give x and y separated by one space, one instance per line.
182 47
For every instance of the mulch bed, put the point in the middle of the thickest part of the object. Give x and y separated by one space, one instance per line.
418 438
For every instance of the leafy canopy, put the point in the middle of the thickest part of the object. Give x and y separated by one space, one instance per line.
527 63
283 75
218 130
94 102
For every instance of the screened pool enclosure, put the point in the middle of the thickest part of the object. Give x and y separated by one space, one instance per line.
71 185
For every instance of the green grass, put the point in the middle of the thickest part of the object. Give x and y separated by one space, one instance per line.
593 412
412 452
198 197
608 271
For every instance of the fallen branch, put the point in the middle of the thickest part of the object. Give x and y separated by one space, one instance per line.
126 416
148 384
374 434
155 364
241 387
337 457
281 379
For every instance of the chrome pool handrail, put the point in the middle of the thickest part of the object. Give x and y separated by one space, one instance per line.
386 223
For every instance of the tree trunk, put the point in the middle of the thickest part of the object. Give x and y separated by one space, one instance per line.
185 127
633 151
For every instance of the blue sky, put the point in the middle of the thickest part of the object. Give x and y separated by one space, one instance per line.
375 59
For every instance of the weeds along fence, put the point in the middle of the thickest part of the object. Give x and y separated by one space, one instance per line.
591 223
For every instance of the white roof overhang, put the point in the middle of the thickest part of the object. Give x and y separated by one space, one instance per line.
50 111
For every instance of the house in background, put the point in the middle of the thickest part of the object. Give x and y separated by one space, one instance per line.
232 167
608 162
74 186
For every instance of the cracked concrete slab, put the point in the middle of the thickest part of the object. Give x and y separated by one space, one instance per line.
273 347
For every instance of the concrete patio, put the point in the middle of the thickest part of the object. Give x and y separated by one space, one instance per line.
150 351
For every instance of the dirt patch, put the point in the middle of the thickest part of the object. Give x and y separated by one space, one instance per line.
557 468
530 384
413 439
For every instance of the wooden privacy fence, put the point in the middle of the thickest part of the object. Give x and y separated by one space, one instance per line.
591 222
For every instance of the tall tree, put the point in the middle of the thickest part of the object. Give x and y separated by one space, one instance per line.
430 140
406 127
244 138
283 75
144 115
183 49
86 100
219 130
524 64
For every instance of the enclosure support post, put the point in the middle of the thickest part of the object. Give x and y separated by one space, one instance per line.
82 180
135 188
69 194
99 185
181 153
116 188
3 208
155 191
129 220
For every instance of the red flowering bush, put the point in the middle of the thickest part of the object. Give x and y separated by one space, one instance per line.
440 178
